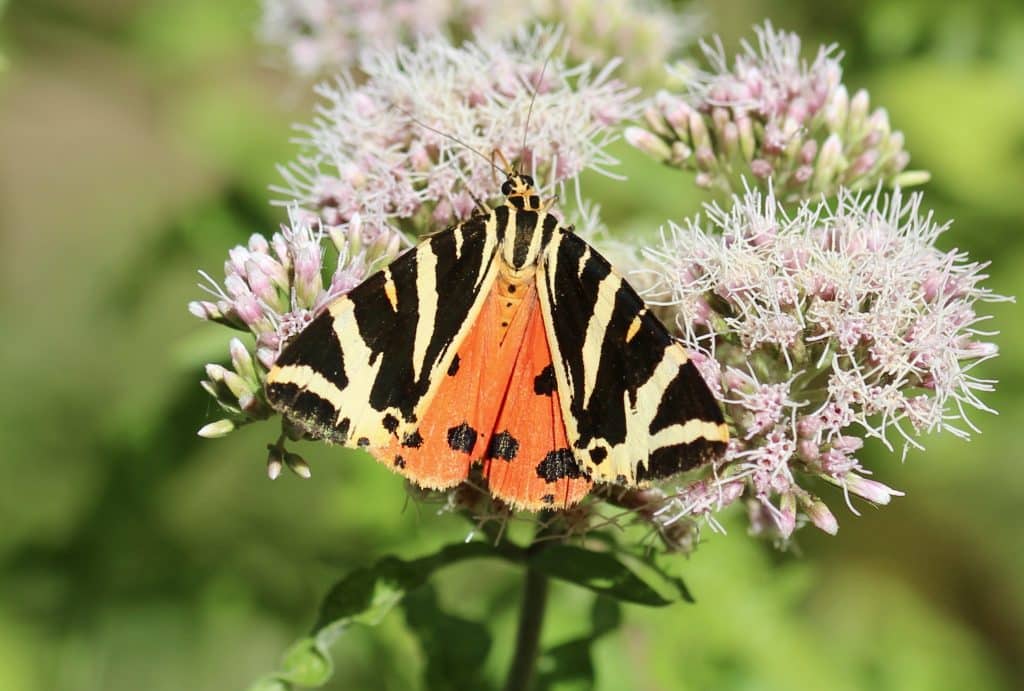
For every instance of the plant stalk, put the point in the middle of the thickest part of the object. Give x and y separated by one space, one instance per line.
531 618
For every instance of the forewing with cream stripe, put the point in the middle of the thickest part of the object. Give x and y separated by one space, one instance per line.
363 372
635 407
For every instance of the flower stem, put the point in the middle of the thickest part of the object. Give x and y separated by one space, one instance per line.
531 617
531 611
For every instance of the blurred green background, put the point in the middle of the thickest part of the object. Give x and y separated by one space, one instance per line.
137 140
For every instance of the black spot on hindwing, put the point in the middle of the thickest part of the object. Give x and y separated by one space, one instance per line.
503 446
558 464
462 438
544 383
453 368
413 440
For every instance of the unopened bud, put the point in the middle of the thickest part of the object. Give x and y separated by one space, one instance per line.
216 429
649 143
297 464
785 520
873 491
821 516
275 461
241 360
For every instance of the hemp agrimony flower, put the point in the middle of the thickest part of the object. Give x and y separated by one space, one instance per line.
273 288
816 330
771 116
321 37
376 148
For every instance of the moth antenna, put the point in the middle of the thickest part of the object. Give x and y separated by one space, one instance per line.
455 139
505 167
533 98
479 204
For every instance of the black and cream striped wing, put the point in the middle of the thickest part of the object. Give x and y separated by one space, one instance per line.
364 370
635 406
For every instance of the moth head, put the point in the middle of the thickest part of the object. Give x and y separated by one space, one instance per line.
520 192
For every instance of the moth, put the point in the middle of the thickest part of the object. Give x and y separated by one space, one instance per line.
504 345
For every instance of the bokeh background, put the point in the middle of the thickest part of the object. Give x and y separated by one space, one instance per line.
137 141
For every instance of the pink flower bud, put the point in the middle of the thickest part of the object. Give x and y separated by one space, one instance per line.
808 450
785 518
821 517
266 356
258 244
873 491
761 168
847 444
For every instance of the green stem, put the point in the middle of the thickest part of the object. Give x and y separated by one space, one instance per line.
531 617
531 611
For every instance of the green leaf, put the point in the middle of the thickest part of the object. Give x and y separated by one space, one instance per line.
454 648
606 574
306 665
269 684
569 666
605 616
566 667
655 568
366 595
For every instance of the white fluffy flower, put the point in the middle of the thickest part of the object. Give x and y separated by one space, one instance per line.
321 37
825 326
408 147
771 115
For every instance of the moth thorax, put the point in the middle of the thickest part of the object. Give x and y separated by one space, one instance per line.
525 236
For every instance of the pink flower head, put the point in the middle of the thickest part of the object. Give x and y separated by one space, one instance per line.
829 329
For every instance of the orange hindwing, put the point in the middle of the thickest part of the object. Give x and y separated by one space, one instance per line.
497 406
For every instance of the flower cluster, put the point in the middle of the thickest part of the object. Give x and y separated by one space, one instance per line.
408 147
386 161
272 289
774 117
326 36
817 330
649 32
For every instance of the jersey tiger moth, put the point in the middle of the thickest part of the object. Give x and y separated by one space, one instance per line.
505 342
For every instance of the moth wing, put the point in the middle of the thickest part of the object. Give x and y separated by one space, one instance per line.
363 371
454 430
635 407
529 463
